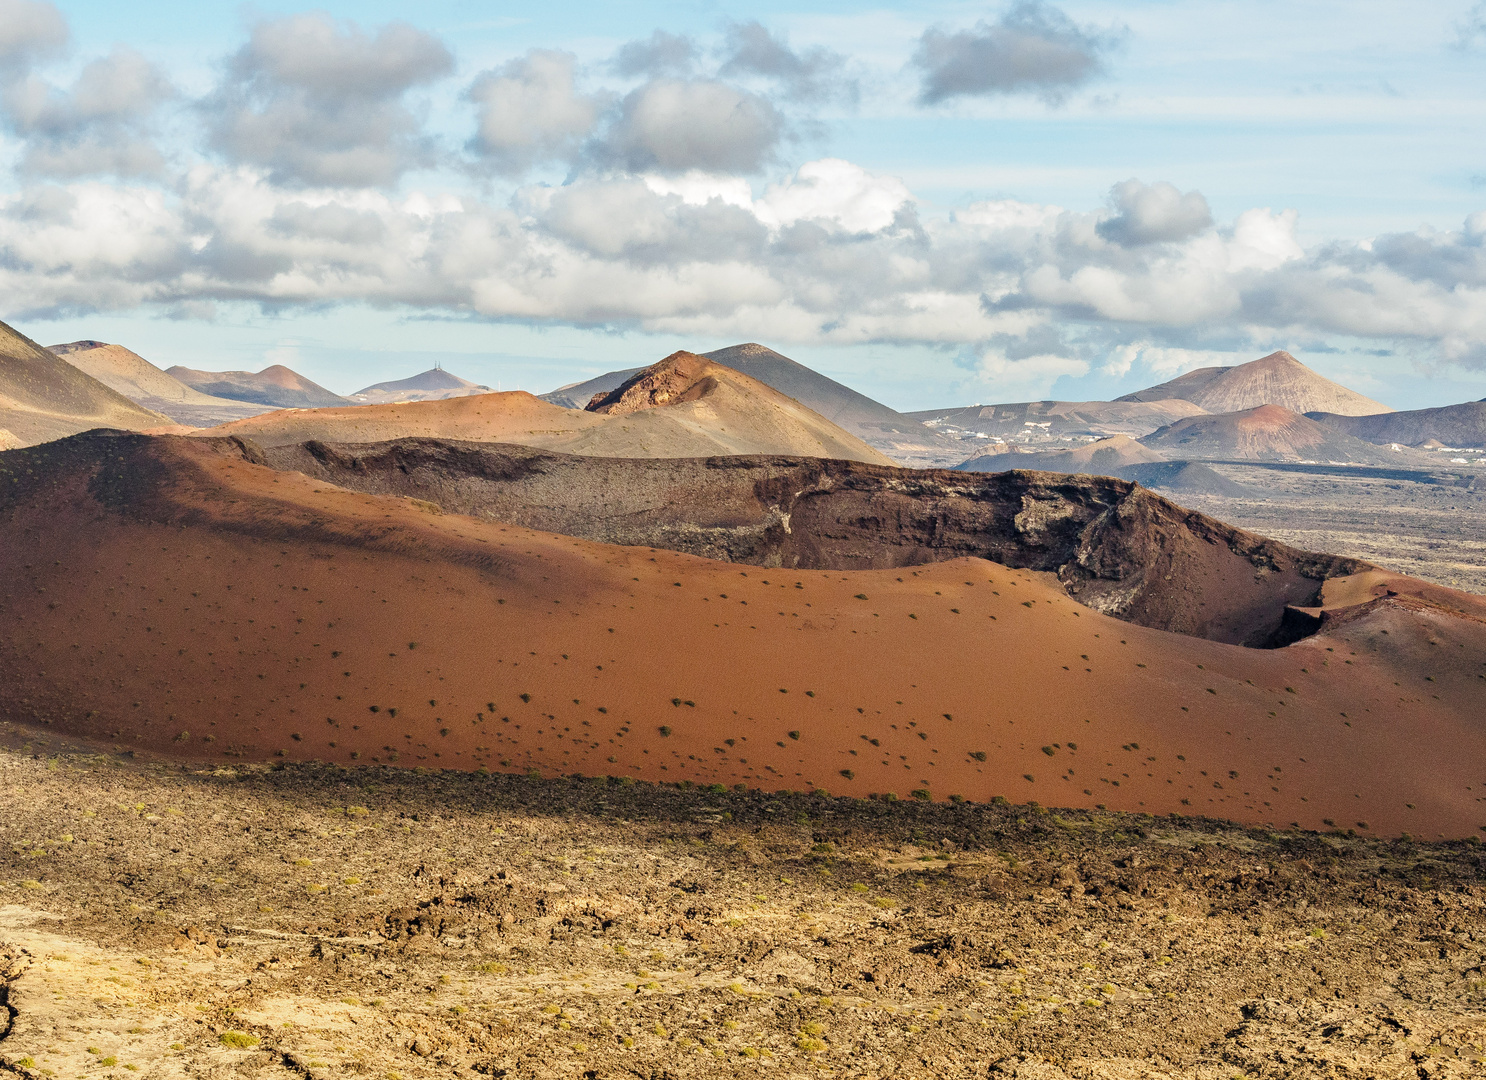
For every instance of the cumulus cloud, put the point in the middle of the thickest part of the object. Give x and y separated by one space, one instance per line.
1033 48
812 75
530 111
832 253
659 54
1154 213
320 104
101 125
30 30
629 220
673 125
836 191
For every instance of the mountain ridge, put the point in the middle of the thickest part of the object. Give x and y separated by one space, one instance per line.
147 385
1462 425
435 384
43 397
709 410
277 386
1276 379
884 429
1266 433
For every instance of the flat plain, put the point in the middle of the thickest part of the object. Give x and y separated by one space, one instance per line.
1407 520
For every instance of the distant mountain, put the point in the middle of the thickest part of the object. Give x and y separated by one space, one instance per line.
684 406
1451 425
277 386
901 438
1119 456
1037 421
42 397
577 395
435 384
1267 433
1100 458
1276 379
143 383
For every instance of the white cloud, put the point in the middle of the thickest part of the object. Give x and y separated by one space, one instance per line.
102 124
837 191
1007 214
1027 377
29 31
1263 240
659 54
697 188
1033 48
1154 213
679 125
816 74
1164 362
530 111
318 103
832 253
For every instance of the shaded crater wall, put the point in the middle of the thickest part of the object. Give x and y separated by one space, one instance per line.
1117 547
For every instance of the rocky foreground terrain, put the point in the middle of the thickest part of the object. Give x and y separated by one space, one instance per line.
313 921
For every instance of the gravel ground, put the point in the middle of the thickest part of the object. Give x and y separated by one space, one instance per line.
1434 531
164 920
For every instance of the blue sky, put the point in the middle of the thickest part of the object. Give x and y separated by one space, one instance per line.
937 204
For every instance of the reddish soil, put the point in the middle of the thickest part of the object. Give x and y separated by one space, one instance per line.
1268 433
180 600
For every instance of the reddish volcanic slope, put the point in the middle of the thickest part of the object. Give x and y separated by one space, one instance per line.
165 594
682 407
1266 433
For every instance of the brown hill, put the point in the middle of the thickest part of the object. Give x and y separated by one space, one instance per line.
1034 421
43 397
1101 458
1451 425
1114 547
514 416
900 437
144 384
435 384
275 386
195 604
708 410
1268 433
1276 379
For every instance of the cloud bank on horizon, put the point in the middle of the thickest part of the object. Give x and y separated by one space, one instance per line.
659 190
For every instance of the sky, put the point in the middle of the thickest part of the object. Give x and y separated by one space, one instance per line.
938 203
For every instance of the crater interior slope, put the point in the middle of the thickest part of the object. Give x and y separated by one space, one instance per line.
167 594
